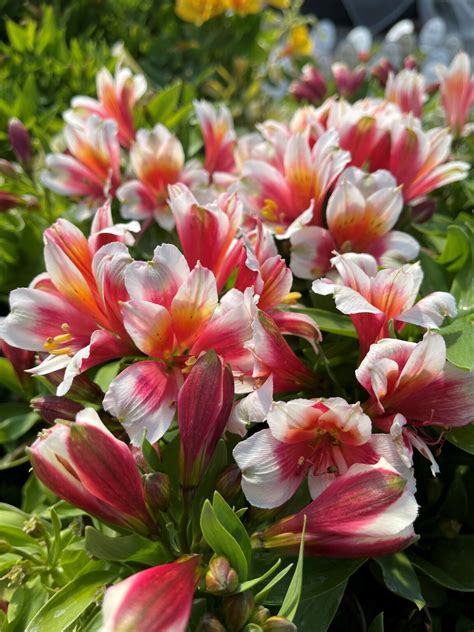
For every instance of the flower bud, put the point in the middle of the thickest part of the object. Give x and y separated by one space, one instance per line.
9 200
157 488
237 610
260 615
228 482
52 407
7 169
210 623
423 210
279 624
82 388
19 140
221 577
5 547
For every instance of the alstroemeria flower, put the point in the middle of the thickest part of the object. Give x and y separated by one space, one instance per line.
311 86
348 80
281 193
418 159
457 91
158 599
157 160
360 214
173 316
204 405
319 438
407 90
217 127
416 381
372 298
210 234
88 467
73 312
91 168
368 511
116 99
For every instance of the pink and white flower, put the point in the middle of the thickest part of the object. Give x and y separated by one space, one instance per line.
116 100
360 214
457 91
416 381
91 166
368 511
158 599
174 315
88 467
407 90
157 160
319 439
280 193
73 311
217 127
348 80
372 298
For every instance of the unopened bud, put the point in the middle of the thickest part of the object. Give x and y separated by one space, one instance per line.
82 388
19 140
5 547
9 200
210 623
33 527
157 488
237 610
279 624
221 578
52 407
228 482
423 211
8 169
260 615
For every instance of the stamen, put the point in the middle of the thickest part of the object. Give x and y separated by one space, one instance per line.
291 298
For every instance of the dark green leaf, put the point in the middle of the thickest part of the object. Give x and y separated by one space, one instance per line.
221 541
332 322
66 605
377 624
127 548
463 438
459 338
316 614
292 598
400 577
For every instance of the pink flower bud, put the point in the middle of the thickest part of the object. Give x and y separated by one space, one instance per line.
88 467
50 408
19 140
9 200
237 610
153 600
204 404
311 86
228 482
157 491
7 169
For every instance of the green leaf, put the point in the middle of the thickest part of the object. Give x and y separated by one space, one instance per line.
231 522
66 605
400 577
292 598
459 338
15 426
258 580
377 624
56 546
316 614
221 541
127 548
457 249
463 438
165 103
332 322
450 564
321 575
8 377
106 374
262 595
151 457
16 35
462 289
25 602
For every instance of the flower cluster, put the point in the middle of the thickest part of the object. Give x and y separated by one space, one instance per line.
212 343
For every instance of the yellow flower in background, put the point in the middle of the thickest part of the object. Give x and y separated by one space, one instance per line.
245 7
199 11
299 41
279 4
